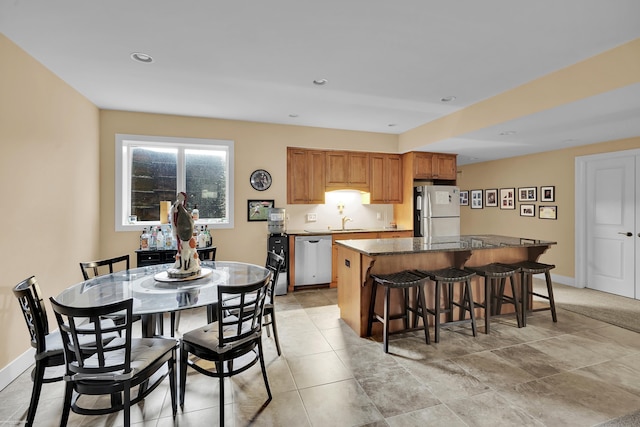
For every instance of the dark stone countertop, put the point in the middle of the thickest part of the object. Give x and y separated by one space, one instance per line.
312 231
410 245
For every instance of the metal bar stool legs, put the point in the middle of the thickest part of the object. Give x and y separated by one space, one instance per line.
405 281
445 279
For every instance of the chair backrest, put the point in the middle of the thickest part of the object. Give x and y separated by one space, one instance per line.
98 268
274 263
95 350
240 310
28 294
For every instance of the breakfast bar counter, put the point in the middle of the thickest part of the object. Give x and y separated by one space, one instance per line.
358 259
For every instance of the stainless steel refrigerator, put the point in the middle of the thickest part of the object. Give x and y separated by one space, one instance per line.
436 211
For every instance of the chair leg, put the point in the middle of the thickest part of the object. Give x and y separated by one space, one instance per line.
488 295
38 379
471 307
274 326
552 303
515 301
436 320
184 355
423 311
172 383
264 371
372 306
385 333
127 404
524 295
66 408
220 369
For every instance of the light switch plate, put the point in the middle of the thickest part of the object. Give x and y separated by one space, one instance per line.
312 217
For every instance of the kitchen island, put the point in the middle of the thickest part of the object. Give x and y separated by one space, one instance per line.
358 259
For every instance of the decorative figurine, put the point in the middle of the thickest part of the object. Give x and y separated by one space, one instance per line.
187 261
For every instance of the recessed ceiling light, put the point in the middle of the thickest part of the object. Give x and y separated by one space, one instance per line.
141 57
293 115
507 132
320 82
448 98
392 125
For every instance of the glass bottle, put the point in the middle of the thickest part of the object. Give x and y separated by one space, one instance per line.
144 240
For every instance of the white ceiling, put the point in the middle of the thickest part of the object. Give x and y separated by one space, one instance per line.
386 62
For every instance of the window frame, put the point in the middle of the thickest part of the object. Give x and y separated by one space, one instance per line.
123 176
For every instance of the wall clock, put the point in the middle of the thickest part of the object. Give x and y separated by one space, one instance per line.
260 179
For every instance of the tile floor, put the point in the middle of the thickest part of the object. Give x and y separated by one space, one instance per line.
578 372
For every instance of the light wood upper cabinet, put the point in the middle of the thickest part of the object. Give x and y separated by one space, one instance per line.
422 165
445 166
305 176
386 178
347 170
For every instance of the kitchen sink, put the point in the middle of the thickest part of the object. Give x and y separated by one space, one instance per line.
348 230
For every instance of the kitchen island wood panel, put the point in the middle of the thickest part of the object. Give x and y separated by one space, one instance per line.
358 259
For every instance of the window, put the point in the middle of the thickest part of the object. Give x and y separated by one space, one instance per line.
151 170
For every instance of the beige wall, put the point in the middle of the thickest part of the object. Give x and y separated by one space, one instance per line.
257 146
57 181
49 185
552 168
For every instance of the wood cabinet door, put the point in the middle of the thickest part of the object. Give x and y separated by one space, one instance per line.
305 176
337 168
445 166
422 165
386 178
347 169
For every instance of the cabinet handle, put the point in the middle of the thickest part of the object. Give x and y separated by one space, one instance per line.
628 233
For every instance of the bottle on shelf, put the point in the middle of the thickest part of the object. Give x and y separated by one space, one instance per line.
153 236
168 238
208 236
144 240
160 239
195 213
202 238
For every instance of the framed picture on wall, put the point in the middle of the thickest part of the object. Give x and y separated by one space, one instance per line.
527 194
548 212
548 194
527 210
507 198
491 197
464 198
476 199
258 210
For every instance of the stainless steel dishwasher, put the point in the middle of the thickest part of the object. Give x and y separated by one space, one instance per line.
313 260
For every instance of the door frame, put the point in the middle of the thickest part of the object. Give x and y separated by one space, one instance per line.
581 207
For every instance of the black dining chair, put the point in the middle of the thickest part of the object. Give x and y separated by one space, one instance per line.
91 269
274 264
233 343
48 345
115 368
105 266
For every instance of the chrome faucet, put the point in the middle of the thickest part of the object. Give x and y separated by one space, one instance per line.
344 220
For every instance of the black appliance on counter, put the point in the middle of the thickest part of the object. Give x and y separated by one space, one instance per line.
279 243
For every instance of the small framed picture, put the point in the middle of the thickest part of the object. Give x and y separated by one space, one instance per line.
548 212
548 194
491 197
258 210
527 194
464 198
476 199
527 210
507 198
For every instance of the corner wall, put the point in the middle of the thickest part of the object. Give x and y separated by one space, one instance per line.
49 185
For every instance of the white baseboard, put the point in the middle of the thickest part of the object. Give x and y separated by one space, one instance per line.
14 369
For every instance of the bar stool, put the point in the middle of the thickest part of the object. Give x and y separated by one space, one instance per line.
527 270
404 280
496 274
450 276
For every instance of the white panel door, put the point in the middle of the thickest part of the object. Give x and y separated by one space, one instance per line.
611 225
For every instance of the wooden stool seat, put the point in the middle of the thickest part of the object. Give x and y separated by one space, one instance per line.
493 275
404 280
450 276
